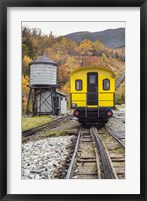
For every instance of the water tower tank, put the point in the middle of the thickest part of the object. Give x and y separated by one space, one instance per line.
43 72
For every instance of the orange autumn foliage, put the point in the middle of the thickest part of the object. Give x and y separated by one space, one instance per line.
25 91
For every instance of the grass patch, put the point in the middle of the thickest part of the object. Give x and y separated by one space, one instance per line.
120 106
53 133
105 135
119 150
32 122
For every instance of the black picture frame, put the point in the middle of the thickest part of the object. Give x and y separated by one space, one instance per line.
4 4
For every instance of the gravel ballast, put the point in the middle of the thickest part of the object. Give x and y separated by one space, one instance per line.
46 159
117 121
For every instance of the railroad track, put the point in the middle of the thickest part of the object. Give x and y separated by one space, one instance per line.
90 159
27 134
120 139
115 149
120 80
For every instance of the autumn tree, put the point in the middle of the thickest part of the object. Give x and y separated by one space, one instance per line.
65 70
66 45
26 61
25 91
25 50
27 42
104 59
99 47
69 55
84 49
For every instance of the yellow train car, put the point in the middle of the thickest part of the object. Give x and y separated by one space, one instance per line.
92 94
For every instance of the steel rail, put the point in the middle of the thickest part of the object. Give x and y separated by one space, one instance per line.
72 162
116 138
113 169
32 131
97 156
98 163
120 80
104 158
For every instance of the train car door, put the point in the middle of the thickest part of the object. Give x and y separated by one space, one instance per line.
92 88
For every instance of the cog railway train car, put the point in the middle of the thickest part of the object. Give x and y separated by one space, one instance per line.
92 95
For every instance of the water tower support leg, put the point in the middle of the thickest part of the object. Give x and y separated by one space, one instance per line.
56 112
40 101
34 102
52 101
28 103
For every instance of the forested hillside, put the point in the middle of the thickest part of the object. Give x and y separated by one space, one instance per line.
69 55
111 38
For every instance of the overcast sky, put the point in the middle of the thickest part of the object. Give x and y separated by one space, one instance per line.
63 28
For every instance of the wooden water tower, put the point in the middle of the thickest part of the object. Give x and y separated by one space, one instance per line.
43 78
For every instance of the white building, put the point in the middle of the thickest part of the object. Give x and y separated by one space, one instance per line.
55 104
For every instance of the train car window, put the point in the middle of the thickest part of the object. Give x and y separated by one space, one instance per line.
106 84
78 85
92 79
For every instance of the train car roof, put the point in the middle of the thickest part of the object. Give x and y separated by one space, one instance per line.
100 68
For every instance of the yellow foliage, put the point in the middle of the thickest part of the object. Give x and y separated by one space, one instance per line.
85 47
25 83
71 64
26 61
65 88
34 42
57 57
24 103
120 90
65 69
98 46
25 91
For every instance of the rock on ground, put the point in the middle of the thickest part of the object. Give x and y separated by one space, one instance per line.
43 159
